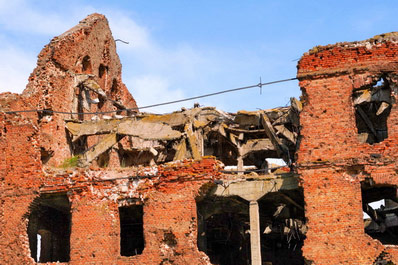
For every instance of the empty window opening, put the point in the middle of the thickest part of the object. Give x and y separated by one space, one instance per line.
131 230
49 228
86 65
372 108
102 70
380 208
283 227
114 87
45 155
224 229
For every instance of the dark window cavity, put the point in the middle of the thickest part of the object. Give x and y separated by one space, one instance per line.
380 207
49 228
372 108
131 230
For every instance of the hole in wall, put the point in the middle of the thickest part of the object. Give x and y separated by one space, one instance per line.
86 65
224 227
49 228
372 108
380 207
45 155
283 227
223 230
102 69
114 87
131 230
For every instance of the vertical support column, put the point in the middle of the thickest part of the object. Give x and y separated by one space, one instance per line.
255 233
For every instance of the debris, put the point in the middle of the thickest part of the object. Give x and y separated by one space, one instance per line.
242 139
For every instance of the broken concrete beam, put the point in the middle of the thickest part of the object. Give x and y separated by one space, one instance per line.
172 119
296 104
221 129
148 130
382 108
181 152
283 119
286 133
85 100
269 130
193 142
101 147
91 127
95 87
362 96
255 145
247 118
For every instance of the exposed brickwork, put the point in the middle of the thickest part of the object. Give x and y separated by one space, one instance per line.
53 85
331 159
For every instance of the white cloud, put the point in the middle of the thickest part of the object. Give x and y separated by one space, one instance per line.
15 69
18 15
150 89
152 72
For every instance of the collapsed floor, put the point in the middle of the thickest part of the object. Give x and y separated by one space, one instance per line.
197 186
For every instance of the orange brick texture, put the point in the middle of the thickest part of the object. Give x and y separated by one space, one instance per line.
331 161
168 199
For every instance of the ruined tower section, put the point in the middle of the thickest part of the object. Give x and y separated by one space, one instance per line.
78 72
348 152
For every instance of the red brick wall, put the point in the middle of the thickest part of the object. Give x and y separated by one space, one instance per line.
331 160
52 84
20 175
168 197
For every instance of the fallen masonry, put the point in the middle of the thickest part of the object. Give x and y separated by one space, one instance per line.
89 179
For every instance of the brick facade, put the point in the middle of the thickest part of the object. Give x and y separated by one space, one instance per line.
331 160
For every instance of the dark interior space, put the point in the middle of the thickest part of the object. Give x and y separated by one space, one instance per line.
282 226
49 228
372 108
382 223
131 230
224 230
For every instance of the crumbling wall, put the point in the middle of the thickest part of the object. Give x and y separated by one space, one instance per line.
333 157
167 194
78 71
20 176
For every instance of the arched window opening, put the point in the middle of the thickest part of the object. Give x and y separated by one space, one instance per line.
49 228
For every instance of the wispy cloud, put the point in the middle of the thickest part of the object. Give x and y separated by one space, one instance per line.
151 71
20 15
15 68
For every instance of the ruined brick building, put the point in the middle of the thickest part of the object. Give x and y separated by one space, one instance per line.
85 178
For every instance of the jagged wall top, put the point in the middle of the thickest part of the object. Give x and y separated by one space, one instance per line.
65 55
86 52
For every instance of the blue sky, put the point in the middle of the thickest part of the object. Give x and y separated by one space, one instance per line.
181 49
